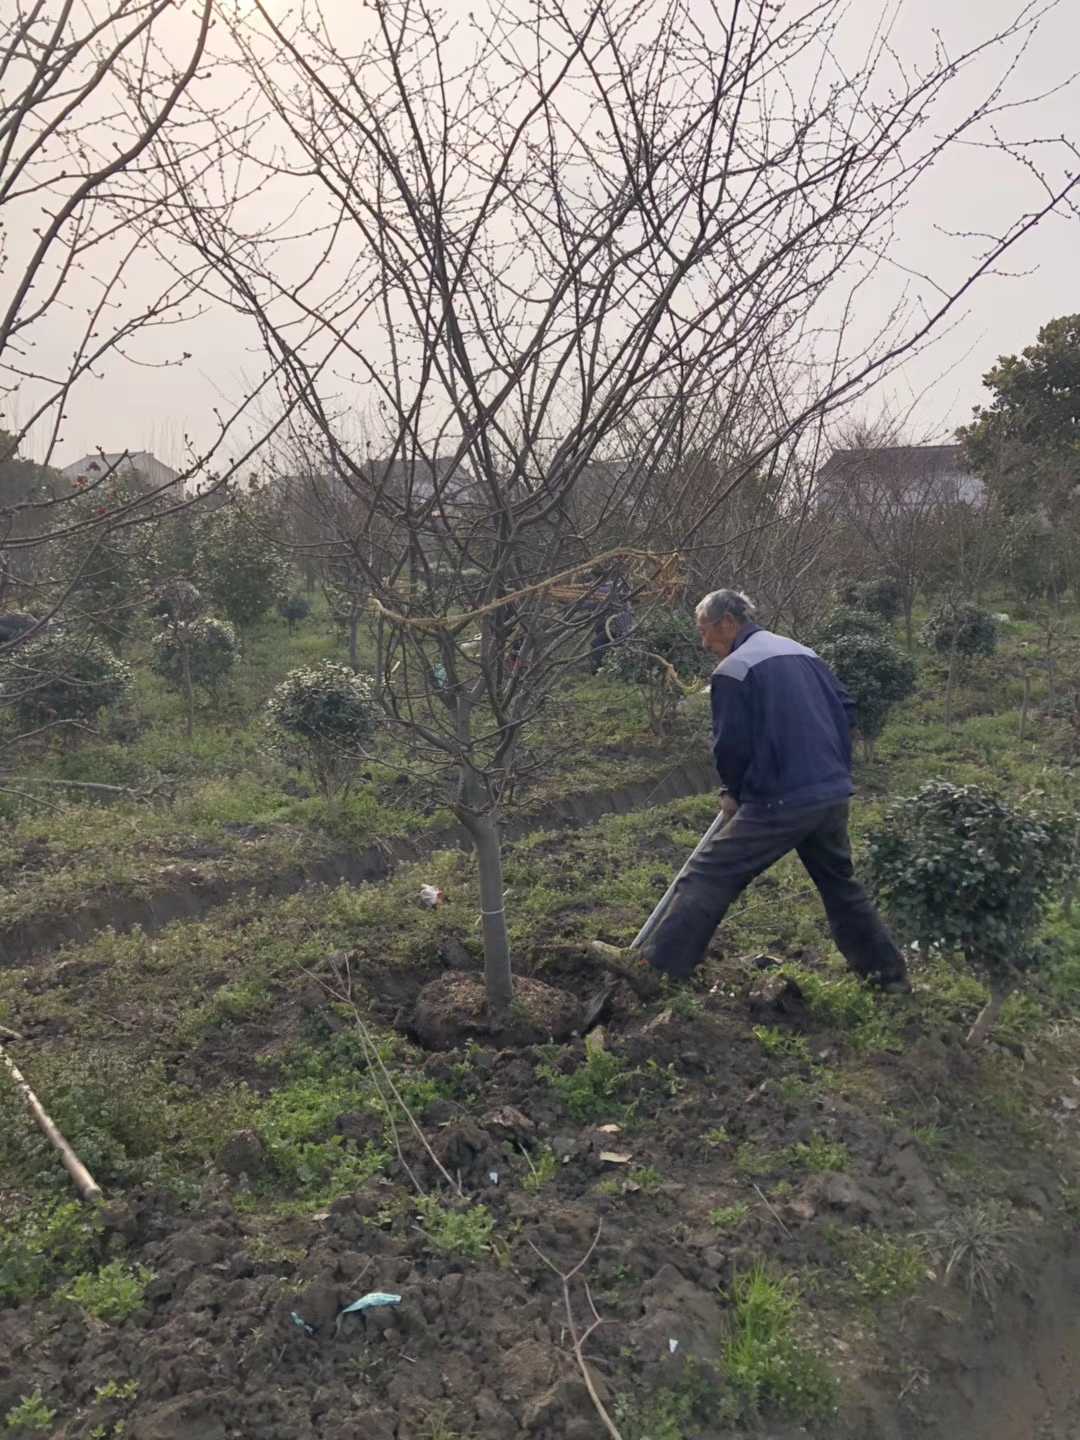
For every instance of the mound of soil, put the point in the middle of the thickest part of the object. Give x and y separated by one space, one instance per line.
453 1010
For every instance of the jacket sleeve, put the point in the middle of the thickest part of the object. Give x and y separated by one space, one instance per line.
732 730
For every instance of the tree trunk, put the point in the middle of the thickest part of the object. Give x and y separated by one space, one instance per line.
354 639
498 978
984 1023
909 623
1024 705
189 692
949 689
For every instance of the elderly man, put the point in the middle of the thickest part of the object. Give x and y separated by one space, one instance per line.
782 726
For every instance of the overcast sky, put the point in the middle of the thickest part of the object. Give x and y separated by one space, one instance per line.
974 190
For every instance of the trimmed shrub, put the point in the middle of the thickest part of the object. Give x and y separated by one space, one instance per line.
294 608
179 600
238 568
960 869
960 629
877 675
662 635
211 648
846 620
880 596
62 676
320 717
671 634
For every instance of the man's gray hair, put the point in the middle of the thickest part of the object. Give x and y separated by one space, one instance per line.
719 603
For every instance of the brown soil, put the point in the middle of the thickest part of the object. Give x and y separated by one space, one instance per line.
453 1010
217 1352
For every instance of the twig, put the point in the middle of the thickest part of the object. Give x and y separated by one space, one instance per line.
85 1183
579 1338
10 1034
371 1053
773 1212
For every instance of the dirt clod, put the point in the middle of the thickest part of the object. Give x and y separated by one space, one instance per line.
453 1010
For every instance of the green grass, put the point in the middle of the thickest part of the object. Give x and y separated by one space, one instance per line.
820 1154
591 1091
883 1267
728 1218
43 1245
30 1416
543 1168
672 1412
768 1363
467 1231
113 1293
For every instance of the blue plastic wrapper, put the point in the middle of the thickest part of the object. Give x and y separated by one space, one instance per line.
375 1300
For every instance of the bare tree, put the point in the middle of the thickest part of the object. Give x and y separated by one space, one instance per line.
86 94
515 240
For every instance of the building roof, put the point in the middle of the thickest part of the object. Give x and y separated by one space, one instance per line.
905 467
104 461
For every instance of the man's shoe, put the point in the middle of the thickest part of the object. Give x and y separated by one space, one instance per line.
629 965
895 984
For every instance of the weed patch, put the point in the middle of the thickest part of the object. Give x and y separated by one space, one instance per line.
767 1364
42 1246
590 1091
30 1416
883 1267
112 1293
456 1232
728 1218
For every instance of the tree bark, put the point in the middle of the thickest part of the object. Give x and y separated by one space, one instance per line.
987 1016
949 689
498 977
189 691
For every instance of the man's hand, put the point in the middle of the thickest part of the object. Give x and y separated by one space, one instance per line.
728 805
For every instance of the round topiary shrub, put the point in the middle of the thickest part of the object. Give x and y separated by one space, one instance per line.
876 674
203 650
294 608
63 677
320 717
881 596
960 629
661 649
661 634
845 620
961 870
178 600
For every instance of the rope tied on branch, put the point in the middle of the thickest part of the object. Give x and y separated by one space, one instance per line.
665 578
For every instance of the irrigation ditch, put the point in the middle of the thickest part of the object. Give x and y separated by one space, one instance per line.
191 893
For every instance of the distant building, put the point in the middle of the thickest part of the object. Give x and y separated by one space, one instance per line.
146 467
912 475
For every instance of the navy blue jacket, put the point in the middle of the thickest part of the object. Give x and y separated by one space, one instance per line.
782 724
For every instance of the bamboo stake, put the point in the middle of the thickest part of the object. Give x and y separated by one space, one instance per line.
85 1183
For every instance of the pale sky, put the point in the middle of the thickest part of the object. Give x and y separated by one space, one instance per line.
142 406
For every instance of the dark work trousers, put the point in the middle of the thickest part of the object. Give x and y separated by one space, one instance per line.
748 844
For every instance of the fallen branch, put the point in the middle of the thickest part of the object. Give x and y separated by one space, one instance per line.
579 1338
85 1183
10 1034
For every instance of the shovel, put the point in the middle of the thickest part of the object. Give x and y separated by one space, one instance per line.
598 1006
